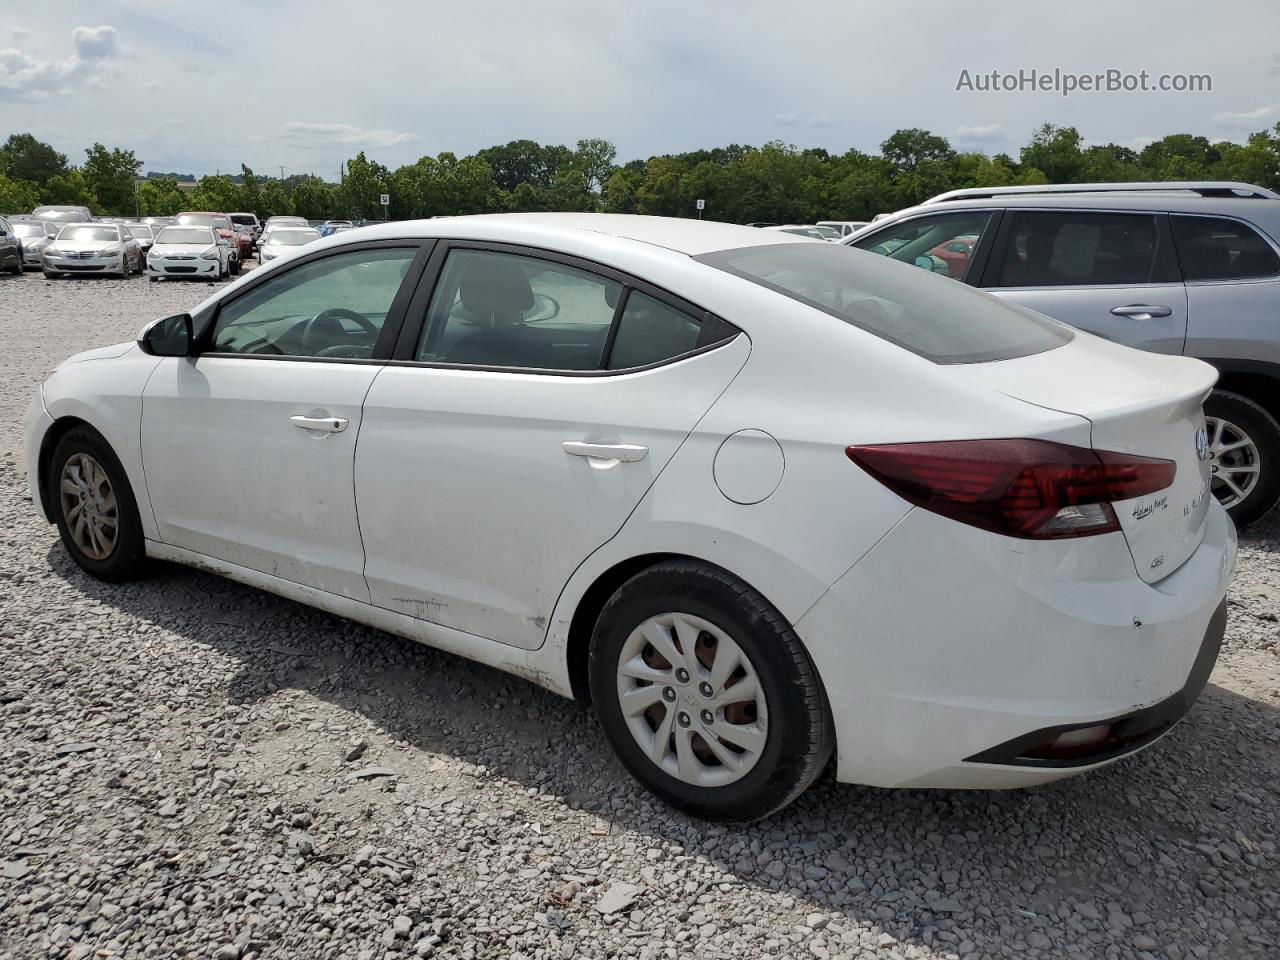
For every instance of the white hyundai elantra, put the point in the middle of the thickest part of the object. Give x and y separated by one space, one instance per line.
769 503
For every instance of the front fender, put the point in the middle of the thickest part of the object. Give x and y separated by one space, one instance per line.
107 395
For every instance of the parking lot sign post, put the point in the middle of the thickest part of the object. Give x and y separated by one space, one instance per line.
701 206
385 200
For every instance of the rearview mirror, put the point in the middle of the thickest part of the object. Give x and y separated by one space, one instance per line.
167 337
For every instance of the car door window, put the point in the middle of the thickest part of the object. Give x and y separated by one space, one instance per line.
334 307
1074 248
1213 248
651 331
943 244
505 310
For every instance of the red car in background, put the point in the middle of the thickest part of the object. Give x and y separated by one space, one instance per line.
225 231
955 254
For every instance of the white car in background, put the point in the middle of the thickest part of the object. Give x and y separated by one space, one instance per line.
187 253
35 236
764 501
92 248
845 227
284 240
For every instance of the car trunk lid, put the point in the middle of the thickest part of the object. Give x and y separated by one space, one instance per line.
1141 403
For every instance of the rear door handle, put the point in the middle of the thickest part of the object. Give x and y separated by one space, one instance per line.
327 424
1141 311
626 452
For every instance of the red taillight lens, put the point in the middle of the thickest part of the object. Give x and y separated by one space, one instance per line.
1034 489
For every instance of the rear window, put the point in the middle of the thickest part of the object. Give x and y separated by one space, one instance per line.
1212 248
243 220
942 322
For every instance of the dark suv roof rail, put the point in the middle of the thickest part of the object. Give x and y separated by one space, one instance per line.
1203 188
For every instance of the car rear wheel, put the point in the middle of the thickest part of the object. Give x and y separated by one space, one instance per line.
235 267
1244 455
706 693
94 507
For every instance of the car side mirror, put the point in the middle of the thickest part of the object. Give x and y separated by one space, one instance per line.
168 336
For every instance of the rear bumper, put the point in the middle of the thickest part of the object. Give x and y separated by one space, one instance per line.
948 653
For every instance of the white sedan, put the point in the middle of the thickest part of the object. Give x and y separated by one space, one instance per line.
188 253
279 241
768 503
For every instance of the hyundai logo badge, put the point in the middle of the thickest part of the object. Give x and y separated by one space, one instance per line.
1202 444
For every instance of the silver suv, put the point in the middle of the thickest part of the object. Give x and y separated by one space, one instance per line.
1190 268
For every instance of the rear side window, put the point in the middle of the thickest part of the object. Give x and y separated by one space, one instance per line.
943 244
1075 248
943 322
651 331
1211 248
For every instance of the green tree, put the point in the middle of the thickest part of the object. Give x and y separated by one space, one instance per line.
250 191
595 159
23 157
313 198
160 197
217 194
362 185
911 149
273 201
111 175
71 188
1055 152
18 196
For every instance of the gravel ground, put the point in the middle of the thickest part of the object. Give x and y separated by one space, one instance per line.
191 768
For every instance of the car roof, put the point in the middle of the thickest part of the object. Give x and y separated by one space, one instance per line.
1172 202
692 237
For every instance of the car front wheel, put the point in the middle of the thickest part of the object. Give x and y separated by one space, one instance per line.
1244 455
94 507
706 693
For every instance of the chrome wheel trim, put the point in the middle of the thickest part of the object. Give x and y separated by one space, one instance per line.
89 507
1234 463
692 700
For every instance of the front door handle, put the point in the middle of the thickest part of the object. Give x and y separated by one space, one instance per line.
626 452
1141 311
327 424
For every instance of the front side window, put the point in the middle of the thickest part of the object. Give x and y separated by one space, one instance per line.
1072 248
334 307
1213 248
504 310
943 322
940 244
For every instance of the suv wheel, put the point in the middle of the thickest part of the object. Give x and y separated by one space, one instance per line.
1244 455
706 693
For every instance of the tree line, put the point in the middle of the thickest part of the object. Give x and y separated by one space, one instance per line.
774 182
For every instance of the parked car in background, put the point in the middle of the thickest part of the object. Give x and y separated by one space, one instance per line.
193 252
62 214
285 221
249 220
143 234
35 235
10 248
1181 268
738 487
800 230
845 227
244 241
222 227
92 248
329 226
284 240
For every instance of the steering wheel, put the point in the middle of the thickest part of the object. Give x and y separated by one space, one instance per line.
327 323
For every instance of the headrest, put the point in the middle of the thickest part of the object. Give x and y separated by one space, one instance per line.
495 287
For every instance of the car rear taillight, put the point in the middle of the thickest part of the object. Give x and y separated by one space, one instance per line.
1033 489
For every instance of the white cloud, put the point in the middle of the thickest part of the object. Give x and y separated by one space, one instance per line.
22 75
19 34
786 119
1248 121
342 134
982 135
821 120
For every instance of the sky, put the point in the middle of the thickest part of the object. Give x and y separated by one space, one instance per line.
304 84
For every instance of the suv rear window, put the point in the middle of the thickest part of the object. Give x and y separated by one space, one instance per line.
940 321
1212 248
244 221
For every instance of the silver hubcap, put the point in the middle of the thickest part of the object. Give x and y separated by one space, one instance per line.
692 700
89 506
1233 461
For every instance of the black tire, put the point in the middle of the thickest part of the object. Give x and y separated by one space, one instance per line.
51 276
127 560
16 269
1262 428
235 267
800 734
